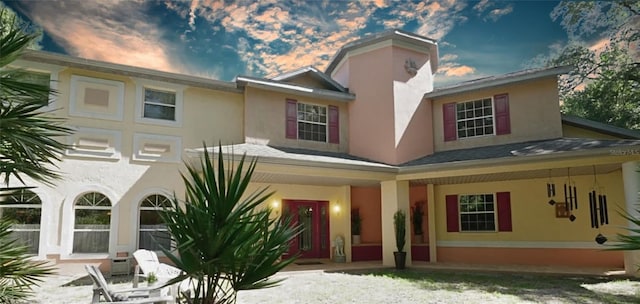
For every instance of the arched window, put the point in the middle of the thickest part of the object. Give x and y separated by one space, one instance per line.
153 233
92 220
24 209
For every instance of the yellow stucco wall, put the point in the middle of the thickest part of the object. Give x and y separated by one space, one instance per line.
534 114
576 132
533 219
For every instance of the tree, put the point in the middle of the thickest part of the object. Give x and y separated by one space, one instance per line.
605 84
11 20
27 146
224 240
28 134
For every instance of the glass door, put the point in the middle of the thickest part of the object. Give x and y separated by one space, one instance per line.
313 217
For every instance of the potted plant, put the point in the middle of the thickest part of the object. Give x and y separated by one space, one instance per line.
418 213
356 222
399 219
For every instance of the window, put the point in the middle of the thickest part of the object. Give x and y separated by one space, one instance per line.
24 208
474 118
488 116
38 78
159 104
477 212
153 233
312 122
92 223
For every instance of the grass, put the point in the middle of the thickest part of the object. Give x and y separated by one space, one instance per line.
536 288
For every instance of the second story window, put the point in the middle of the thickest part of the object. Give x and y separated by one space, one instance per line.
159 104
312 122
474 118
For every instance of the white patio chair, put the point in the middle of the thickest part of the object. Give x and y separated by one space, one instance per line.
135 295
148 263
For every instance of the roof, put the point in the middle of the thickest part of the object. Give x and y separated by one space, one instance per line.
600 127
305 157
287 87
125 70
314 73
498 80
525 149
394 34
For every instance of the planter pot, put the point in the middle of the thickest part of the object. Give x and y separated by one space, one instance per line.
400 259
355 239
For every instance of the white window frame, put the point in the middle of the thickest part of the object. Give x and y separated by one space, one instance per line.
51 69
493 118
494 212
30 206
73 99
326 123
178 90
68 223
140 209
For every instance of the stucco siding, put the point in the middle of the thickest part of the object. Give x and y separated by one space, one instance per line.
534 114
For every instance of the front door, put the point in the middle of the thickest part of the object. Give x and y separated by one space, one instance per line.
313 217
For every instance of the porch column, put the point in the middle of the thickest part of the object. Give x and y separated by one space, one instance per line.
631 181
395 196
431 216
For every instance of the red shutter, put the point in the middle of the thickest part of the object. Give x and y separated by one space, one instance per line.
449 119
453 220
292 118
503 122
504 211
334 125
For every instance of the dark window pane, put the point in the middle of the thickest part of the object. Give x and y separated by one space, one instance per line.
159 112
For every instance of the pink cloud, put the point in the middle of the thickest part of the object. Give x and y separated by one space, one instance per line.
89 31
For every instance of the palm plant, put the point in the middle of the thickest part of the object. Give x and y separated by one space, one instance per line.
225 241
27 134
27 146
631 241
18 273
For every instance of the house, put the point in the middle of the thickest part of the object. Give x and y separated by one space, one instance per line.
501 175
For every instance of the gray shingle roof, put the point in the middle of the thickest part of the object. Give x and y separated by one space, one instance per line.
600 127
297 154
533 148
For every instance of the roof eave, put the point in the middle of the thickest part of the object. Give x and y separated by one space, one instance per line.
494 82
512 160
131 71
381 168
373 39
282 87
600 127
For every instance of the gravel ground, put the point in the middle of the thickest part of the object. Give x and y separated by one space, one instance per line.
321 287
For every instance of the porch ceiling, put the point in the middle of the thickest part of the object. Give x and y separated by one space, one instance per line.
275 178
519 175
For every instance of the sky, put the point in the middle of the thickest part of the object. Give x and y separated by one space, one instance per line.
223 39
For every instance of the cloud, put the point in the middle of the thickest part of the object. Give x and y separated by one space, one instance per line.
493 14
455 70
314 31
112 31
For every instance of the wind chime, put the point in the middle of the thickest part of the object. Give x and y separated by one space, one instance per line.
598 208
570 196
551 190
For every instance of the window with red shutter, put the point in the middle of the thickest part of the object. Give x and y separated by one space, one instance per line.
449 119
504 211
503 121
453 224
334 125
292 119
